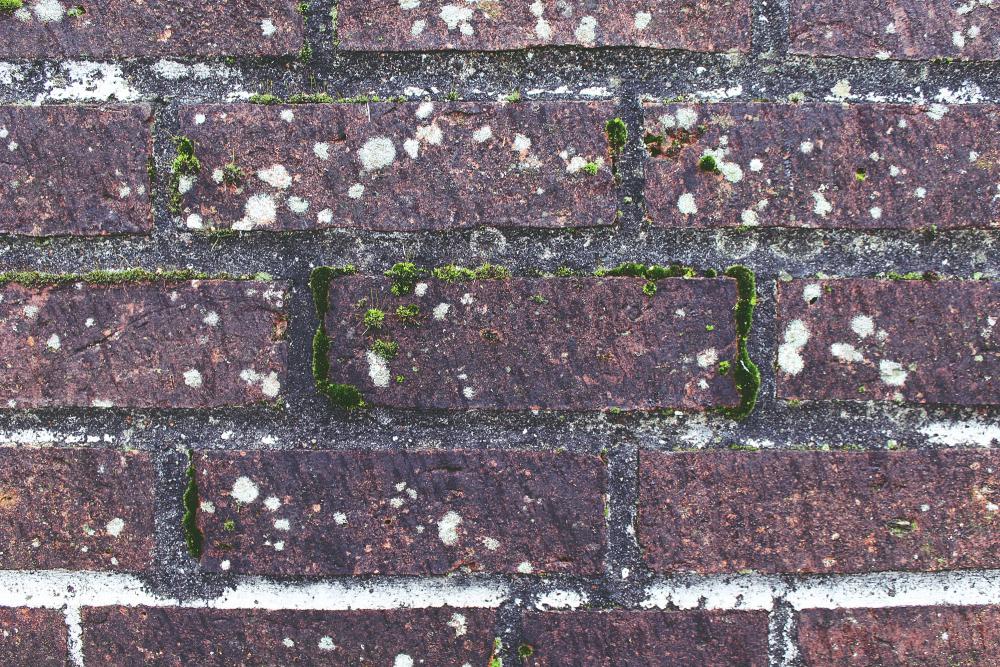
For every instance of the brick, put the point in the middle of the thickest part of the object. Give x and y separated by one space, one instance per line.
82 509
925 636
546 343
898 29
696 25
862 166
74 170
326 513
32 637
400 167
646 638
904 340
192 344
819 512
121 29
175 636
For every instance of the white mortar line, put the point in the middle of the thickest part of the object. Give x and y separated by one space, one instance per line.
74 635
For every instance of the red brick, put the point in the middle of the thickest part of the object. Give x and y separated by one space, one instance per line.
32 637
324 513
352 165
908 340
74 170
925 636
898 29
820 165
646 638
79 509
819 512
696 25
173 636
192 344
122 28
546 343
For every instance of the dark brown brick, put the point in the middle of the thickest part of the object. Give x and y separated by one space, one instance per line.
822 165
819 512
352 165
521 343
77 509
898 29
74 170
925 636
173 636
391 25
122 28
904 340
646 639
194 344
32 637
321 513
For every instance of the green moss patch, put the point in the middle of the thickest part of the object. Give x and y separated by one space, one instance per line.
193 536
745 371
345 396
119 277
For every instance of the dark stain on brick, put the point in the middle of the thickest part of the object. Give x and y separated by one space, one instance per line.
898 29
352 165
925 636
76 509
819 512
358 513
77 171
216 637
194 344
566 344
641 638
32 637
867 166
911 340
121 29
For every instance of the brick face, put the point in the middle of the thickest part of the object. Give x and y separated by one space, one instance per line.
898 29
926 636
333 513
864 166
142 635
819 512
74 170
401 167
697 25
75 509
121 29
908 340
646 639
32 637
561 343
193 344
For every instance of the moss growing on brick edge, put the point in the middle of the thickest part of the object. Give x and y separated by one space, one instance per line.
344 396
10 6
745 371
117 277
186 164
193 536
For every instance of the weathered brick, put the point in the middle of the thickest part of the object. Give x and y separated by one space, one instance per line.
696 25
925 636
191 344
175 636
74 170
122 28
538 343
646 638
908 340
403 167
32 637
819 512
898 29
823 165
320 513
83 509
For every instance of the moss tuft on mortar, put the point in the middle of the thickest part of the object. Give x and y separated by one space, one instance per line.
745 371
193 536
10 6
117 277
345 396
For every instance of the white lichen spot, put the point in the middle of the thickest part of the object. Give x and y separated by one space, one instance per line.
485 133
920 193
321 149
431 134
642 20
276 176
863 325
420 289
845 352
377 153
270 386
807 147
115 527
469 393
892 373
287 641
707 358
194 221
199 119
324 217
378 369
407 5
267 27
298 205
958 39
272 503
326 644
185 183
402 660
54 342
30 311
841 90
687 118
282 524
822 206
937 111
522 144
259 211
441 310
525 568
356 191
340 518
412 148
875 212
49 11
686 204
796 337
586 32
456 17
192 378
124 190
287 115
491 543
225 565
418 27
425 110
458 623
756 165
207 506
89 323
244 490
749 218
812 292
218 176
448 528
211 318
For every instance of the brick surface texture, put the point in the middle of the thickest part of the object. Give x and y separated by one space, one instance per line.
494 333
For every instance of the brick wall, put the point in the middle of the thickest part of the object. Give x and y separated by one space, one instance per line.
405 332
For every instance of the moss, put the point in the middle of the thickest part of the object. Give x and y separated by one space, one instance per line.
302 8
617 134
409 314
404 276
495 659
193 536
525 651
860 175
387 349
75 12
901 527
453 273
310 98
649 289
709 327
340 395
374 318
708 163
229 525
10 6
185 164
651 272
591 168
264 98
745 371
453 96
724 367
514 97
39 279
232 174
